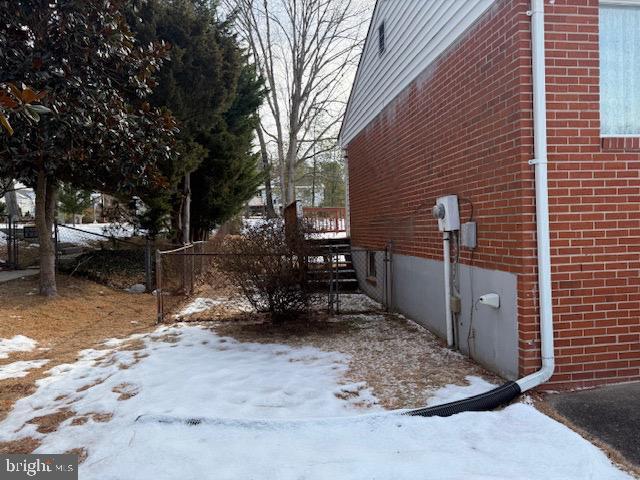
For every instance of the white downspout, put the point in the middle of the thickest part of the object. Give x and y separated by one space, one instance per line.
542 200
446 253
347 219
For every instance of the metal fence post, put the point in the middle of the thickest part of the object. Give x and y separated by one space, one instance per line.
55 242
148 265
193 268
159 294
10 259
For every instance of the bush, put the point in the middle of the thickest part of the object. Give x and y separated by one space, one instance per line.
268 264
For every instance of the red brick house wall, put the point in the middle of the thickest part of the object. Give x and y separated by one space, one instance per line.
465 127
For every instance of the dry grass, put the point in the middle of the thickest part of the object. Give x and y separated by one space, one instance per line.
82 316
49 423
23 446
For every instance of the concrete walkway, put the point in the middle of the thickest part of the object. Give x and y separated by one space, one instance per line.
8 275
611 414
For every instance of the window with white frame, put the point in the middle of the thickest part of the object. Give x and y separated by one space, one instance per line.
620 68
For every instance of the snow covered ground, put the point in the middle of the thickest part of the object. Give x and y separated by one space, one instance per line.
18 343
86 233
269 411
20 369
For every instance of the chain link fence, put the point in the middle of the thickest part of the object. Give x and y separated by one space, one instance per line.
325 274
109 253
19 247
179 271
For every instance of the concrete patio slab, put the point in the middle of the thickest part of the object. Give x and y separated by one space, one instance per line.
610 414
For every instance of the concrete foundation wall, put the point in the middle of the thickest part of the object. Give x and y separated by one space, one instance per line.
415 287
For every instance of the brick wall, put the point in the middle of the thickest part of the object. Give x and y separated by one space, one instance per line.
465 127
595 212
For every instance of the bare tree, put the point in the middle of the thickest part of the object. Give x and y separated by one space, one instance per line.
306 50
266 169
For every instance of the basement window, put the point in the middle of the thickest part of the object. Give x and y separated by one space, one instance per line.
382 46
371 265
620 70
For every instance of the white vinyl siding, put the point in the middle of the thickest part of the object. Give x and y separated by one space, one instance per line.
416 33
620 70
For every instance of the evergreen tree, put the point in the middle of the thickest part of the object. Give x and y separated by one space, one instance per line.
333 183
73 201
229 175
197 85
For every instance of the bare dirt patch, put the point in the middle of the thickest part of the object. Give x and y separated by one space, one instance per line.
126 391
96 417
23 446
49 423
82 316
80 452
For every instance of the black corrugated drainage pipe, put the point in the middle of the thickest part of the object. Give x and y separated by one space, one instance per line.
478 403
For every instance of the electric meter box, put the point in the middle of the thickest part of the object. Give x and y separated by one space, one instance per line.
449 218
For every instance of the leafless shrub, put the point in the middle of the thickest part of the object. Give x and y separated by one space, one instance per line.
268 263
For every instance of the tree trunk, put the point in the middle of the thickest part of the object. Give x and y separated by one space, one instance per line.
313 180
176 217
291 172
271 212
45 210
186 210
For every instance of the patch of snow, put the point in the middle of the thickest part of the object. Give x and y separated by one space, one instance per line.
20 369
240 303
254 222
19 343
86 233
328 235
453 393
201 304
272 411
198 305
3 238
137 288
358 302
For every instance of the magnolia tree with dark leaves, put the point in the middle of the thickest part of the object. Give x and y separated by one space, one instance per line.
73 83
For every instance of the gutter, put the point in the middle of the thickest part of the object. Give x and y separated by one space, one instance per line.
510 390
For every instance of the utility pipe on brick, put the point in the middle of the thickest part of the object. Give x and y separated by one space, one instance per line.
542 200
446 249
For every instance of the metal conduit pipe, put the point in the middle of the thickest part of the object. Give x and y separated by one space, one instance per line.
446 256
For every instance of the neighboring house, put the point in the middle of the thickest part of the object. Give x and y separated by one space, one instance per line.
26 198
442 104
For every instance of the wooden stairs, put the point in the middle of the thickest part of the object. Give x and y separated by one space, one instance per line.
330 266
